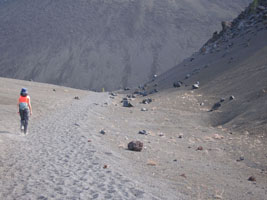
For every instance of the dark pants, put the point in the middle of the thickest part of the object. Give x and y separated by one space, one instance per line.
24 117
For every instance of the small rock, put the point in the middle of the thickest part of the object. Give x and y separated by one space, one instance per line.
147 101
144 109
151 163
77 124
77 98
201 104
217 136
183 175
187 76
196 85
143 132
105 166
103 132
200 148
177 84
126 88
240 159
216 106
54 90
113 94
135 146
222 100
252 178
155 76
231 97
89 140
175 160
161 134
180 136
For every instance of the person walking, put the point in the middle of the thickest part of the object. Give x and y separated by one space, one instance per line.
25 108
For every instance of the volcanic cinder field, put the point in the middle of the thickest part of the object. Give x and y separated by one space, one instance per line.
203 125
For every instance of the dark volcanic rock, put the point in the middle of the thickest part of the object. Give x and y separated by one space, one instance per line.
216 106
135 146
177 84
143 132
196 85
147 101
252 178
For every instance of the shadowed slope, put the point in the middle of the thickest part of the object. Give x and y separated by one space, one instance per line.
234 62
95 44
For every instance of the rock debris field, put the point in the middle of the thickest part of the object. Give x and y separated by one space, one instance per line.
77 149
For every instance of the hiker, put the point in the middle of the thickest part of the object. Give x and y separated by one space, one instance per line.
24 105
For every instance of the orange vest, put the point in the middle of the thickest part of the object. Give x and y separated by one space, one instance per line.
24 99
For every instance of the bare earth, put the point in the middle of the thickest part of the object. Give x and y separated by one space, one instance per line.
65 157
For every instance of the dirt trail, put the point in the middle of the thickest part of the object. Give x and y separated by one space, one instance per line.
56 161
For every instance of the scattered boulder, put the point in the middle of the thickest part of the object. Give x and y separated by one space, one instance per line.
201 104
196 85
143 132
216 106
187 76
232 97
151 163
161 134
183 175
153 91
144 109
113 94
147 101
103 132
77 98
105 166
222 100
177 84
200 148
252 178
126 88
54 90
131 96
241 158
135 146
217 136
155 76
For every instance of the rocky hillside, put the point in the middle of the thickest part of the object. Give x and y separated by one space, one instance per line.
230 72
103 44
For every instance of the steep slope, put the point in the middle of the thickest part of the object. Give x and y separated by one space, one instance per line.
233 62
111 44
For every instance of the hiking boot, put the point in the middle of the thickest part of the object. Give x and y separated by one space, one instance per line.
21 128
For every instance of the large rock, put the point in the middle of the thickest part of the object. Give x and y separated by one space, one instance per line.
135 146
